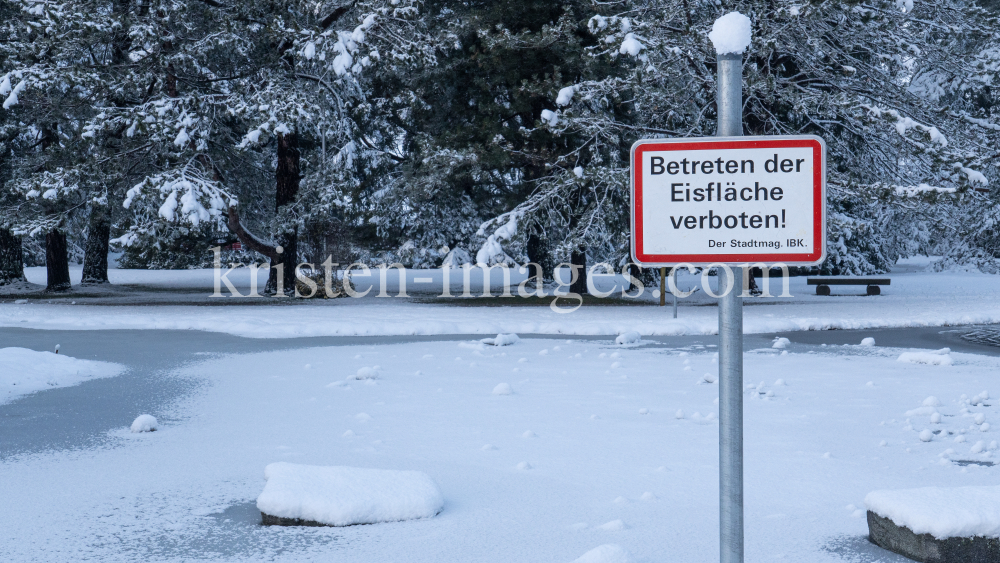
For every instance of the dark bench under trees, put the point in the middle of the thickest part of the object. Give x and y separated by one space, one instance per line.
823 284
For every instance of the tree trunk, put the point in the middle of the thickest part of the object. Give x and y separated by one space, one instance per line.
56 261
578 258
95 257
11 258
635 272
538 255
287 183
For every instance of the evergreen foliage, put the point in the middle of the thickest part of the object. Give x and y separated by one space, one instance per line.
433 131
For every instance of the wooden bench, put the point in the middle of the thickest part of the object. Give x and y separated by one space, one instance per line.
823 284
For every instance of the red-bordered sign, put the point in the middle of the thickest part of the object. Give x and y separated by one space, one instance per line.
729 200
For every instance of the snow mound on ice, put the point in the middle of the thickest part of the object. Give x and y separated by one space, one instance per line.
940 357
344 496
731 33
941 512
868 341
502 389
631 337
24 371
365 373
607 553
781 342
613 526
502 340
144 423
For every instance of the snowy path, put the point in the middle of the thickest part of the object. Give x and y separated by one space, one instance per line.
913 300
572 459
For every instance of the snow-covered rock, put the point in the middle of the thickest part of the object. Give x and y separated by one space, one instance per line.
781 343
941 512
144 423
365 373
630 337
502 340
502 389
868 341
344 496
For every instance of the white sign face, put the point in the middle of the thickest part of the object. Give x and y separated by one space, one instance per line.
729 200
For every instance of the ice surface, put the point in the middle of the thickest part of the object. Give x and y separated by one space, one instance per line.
24 371
344 496
144 423
261 407
941 512
731 33
607 553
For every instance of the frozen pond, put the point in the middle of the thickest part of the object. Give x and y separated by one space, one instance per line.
596 444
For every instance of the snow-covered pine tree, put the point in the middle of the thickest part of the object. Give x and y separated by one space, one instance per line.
901 91
480 131
282 101
45 87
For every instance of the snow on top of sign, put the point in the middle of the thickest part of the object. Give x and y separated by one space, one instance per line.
942 512
731 33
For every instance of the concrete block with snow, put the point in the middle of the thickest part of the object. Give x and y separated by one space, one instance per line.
937 525
312 495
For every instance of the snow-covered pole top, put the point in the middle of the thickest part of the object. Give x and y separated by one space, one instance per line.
731 34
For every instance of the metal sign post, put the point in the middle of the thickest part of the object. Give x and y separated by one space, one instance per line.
730 104
729 203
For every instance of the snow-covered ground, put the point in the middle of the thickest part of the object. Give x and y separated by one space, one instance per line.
915 298
24 371
595 444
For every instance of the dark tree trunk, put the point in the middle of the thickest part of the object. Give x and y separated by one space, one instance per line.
538 255
635 272
56 261
287 183
95 257
578 258
11 258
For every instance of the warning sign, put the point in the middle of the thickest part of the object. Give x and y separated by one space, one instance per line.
729 200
